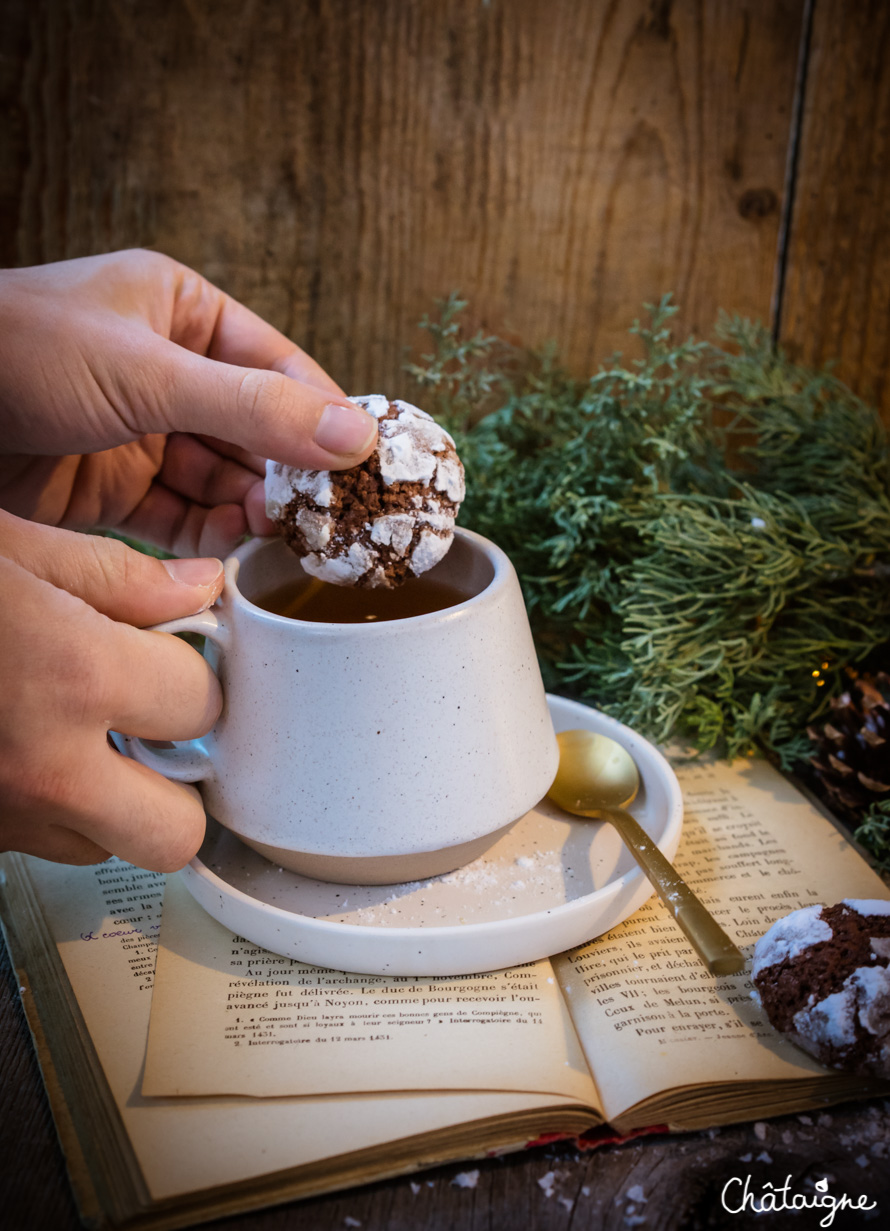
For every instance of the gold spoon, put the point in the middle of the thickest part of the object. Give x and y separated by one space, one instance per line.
597 778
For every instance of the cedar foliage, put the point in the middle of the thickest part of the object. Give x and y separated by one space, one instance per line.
702 534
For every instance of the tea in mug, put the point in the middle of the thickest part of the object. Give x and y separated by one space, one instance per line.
323 603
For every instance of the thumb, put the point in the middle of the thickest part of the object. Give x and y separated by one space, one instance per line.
113 578
265 412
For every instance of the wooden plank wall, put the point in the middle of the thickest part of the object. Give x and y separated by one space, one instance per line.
836 299
340 164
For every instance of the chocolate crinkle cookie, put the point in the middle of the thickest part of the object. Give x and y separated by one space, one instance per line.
822 977
379 523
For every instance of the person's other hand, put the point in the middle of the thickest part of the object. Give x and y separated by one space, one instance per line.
135 395
74 664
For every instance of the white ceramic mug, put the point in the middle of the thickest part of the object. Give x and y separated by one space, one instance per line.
376 752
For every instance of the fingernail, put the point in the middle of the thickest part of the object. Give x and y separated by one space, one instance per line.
194 572
345 429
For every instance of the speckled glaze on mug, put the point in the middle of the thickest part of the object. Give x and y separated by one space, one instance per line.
370 753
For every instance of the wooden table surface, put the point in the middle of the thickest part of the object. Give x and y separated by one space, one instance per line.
659 1183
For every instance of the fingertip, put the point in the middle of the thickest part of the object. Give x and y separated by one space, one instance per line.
184 840
255 511
216 589
266 412
223 529
347 432
203 577
166 820
203 573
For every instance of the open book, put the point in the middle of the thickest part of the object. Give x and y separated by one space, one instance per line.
260 1079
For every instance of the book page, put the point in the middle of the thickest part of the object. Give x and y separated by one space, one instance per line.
104 921
231 1018
649 1015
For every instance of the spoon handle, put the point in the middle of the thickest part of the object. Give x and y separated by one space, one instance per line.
709 940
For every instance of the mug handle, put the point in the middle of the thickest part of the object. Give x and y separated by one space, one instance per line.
188 760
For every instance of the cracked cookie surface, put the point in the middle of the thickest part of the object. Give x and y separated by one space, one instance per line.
379 523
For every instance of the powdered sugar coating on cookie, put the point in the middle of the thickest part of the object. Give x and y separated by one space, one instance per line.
822 975
384 521
789 936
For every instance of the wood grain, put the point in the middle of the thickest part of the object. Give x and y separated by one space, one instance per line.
339 165
837 297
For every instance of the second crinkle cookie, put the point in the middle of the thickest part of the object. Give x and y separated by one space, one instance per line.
822 975
379 523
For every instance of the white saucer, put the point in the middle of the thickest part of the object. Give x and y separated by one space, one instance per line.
551 883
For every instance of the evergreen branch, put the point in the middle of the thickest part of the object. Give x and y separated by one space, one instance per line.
685 587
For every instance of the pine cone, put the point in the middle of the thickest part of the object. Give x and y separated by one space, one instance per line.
853 761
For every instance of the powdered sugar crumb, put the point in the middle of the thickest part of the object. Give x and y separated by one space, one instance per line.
483 885
548 1183
466 1179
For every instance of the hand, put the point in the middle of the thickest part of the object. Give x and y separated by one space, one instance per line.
135 395
74 664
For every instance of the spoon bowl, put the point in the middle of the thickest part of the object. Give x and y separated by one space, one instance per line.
597 779
594 772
